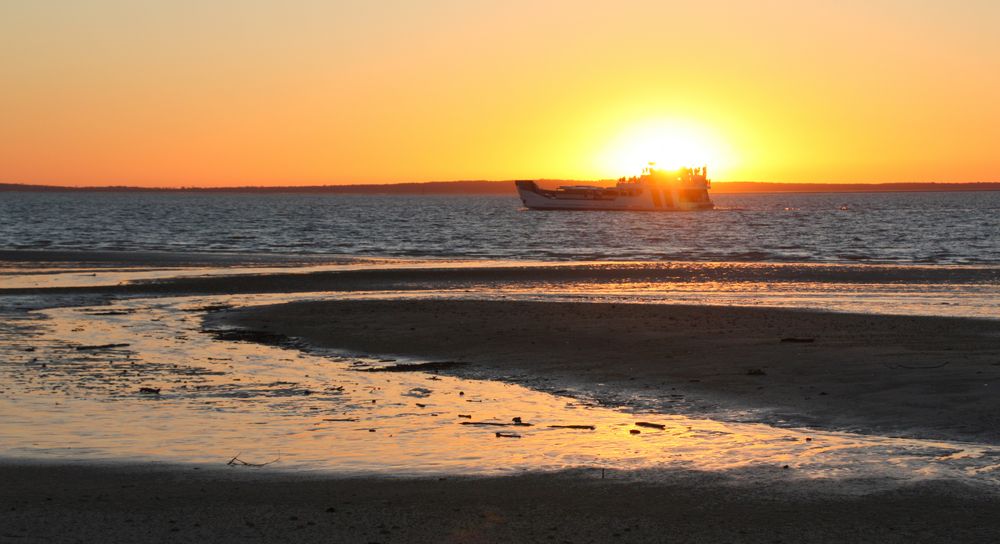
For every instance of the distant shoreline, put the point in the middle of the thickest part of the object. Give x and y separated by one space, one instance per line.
506 188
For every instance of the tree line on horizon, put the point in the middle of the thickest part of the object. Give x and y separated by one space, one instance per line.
507 187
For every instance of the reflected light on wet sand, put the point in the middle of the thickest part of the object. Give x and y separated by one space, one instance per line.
953 299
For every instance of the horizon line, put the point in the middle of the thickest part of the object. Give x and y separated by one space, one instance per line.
126 187
507 188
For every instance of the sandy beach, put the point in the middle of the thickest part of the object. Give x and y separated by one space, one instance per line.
60 503
878 375
924 377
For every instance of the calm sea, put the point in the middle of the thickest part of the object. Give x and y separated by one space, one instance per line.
944 228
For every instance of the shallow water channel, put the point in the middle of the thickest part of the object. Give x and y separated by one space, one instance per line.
308 410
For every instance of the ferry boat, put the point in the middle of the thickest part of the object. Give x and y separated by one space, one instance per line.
654 190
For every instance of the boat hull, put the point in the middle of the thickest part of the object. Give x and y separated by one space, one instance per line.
650 199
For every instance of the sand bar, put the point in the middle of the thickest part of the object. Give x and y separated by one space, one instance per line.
925 377
444 275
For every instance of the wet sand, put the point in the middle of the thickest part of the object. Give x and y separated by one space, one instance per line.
921 377
445 275
23 258
64 503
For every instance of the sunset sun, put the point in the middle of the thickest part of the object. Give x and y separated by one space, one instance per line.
668 144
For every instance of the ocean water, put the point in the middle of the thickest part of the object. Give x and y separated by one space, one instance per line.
903 228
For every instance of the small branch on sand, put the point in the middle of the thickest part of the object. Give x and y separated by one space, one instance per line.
798 340
508 435
928 367
240 462
648 425
247 335
101 346
414 367
208 308
581 427
495 424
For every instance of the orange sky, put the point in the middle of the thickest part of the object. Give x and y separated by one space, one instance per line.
179 92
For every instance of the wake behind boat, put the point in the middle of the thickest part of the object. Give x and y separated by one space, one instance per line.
654 190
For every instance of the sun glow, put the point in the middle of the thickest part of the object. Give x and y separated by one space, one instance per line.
668 144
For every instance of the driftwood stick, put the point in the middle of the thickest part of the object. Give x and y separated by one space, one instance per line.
648 425
237 461
908 367
101 346
495 424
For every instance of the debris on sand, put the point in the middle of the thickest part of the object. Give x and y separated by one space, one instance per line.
495 424
418 392
797 340
149 390
924 367
466 416
634 431
209 308
508 435
581 427
756 372
247 335
236 461
486 423
101 346
414 367
649 425
340 419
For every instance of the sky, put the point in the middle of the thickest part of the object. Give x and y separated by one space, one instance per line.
301 92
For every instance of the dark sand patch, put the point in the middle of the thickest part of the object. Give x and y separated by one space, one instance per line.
58 503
